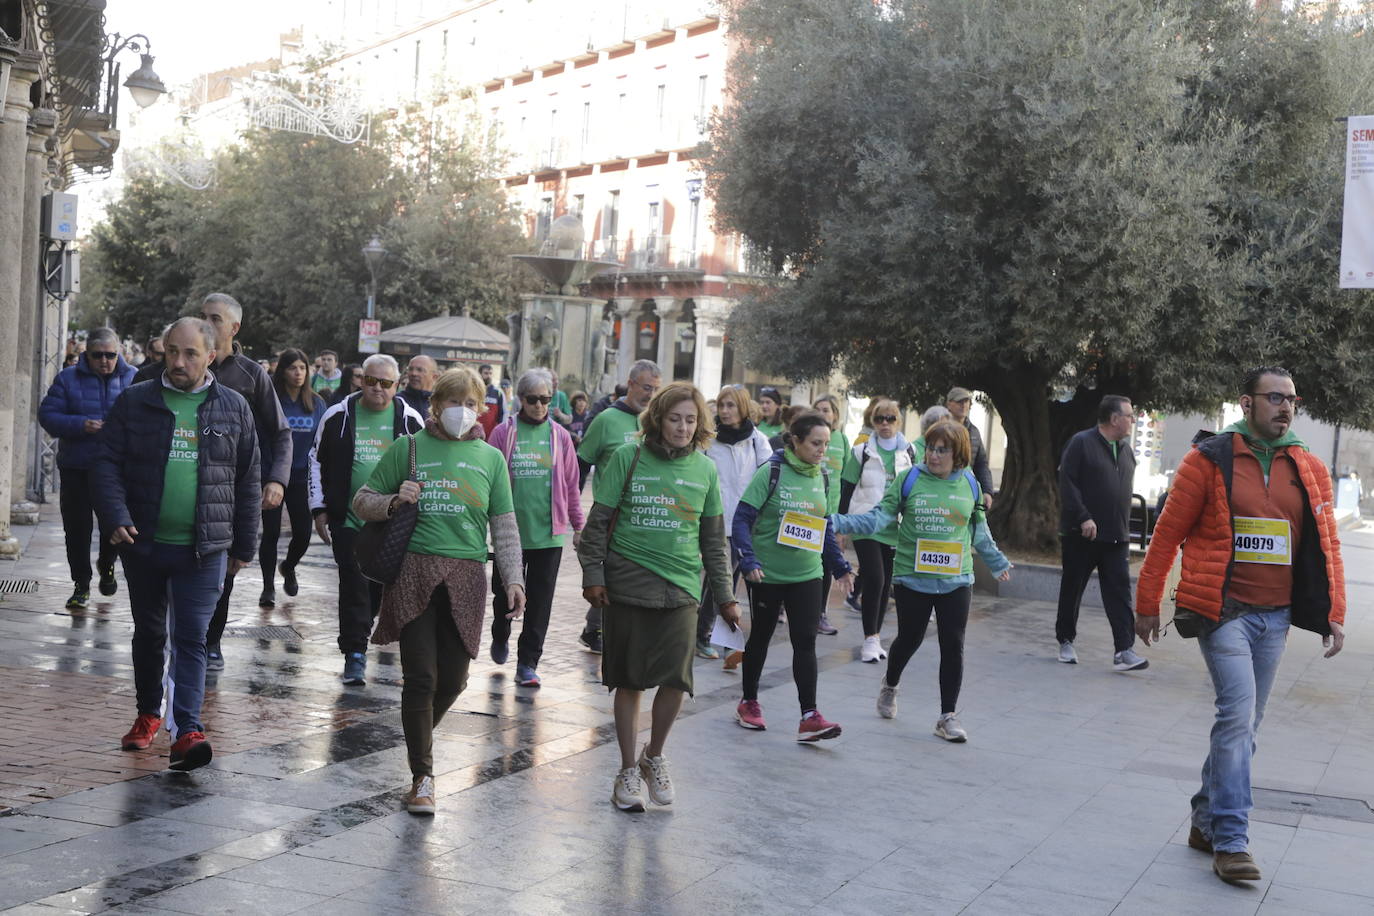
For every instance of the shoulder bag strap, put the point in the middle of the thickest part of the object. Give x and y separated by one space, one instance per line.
625 489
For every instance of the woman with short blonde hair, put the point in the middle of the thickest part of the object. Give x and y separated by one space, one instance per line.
656 521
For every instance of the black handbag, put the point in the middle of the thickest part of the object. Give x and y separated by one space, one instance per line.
381 546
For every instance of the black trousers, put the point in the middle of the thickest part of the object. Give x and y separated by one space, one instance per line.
78 521
359 596
541 575
802 600
875 572
1112 562
951 620
297 506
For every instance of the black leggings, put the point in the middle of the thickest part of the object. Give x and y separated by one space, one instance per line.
803 603
951 619
297 505
875 572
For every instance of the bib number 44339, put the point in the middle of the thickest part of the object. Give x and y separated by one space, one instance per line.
941 558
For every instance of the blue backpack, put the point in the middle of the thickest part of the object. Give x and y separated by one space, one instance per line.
910 481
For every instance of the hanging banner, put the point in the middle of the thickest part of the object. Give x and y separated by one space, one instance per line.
369 335
1357 235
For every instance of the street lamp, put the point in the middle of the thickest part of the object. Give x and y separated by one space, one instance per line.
373 254
143 84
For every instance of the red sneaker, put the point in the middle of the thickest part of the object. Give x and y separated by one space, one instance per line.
142 734
814 727
749 714
190 752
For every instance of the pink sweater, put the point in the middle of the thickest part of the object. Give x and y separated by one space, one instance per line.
567 501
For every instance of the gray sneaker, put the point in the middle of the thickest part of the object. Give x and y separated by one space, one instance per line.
887 700
1066 653
355 669
1129 661
949 728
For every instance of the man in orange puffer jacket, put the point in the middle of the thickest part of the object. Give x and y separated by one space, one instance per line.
1255 513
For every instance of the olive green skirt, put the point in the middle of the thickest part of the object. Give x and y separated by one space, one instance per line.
645 647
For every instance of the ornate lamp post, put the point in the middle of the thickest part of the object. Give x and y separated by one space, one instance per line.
373 254
143 84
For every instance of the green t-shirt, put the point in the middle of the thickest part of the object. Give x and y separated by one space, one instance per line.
561 402
853 470
796 492
321 384
608 431
937 510
769 430
372 435
660 522
176 514
531 468
462 485
837 456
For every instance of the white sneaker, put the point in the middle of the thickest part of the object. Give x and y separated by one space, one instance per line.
887 700
949 728
872 650
1129 661
655 773
1066 653
628 792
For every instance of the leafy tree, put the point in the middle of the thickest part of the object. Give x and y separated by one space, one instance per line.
282 230
1044 201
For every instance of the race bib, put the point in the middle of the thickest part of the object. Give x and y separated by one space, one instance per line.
942 558
1263 540
805 532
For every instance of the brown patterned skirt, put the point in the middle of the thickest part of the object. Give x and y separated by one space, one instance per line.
421 573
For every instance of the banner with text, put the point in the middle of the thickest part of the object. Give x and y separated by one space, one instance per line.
1357 235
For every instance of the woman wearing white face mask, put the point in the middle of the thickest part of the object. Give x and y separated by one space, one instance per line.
436 605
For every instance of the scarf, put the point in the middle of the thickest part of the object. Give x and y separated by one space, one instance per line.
729 435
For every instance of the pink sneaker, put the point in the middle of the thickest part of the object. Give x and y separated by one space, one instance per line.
814 727
749 714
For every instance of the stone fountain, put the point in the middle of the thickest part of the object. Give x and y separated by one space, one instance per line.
564 331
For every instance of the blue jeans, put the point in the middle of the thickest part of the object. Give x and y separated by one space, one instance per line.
1242 655
172 594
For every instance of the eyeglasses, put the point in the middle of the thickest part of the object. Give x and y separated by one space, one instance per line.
1276 398
532 399
939 451
885 418
382 383
101 354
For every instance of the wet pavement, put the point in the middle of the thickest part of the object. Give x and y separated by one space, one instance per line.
1071 795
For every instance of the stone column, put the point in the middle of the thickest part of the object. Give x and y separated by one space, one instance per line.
712 313
14 142
42 123
669 310
625 356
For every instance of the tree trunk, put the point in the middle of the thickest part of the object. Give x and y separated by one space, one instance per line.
1025 514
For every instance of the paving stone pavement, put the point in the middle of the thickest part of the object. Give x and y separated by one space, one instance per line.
1071 795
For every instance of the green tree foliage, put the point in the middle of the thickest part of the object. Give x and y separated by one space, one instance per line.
1044 201
282 230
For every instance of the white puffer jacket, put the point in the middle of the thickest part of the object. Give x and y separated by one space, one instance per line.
873 479
736 465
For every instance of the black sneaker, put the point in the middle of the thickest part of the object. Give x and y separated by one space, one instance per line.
591 638
81 596
108 584
288 580
268 598
214 658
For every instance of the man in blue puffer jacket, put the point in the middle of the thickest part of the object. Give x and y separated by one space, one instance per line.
73 411
177 486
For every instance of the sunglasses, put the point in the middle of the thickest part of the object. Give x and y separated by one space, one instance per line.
382 383
885 418
101 354
532 399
